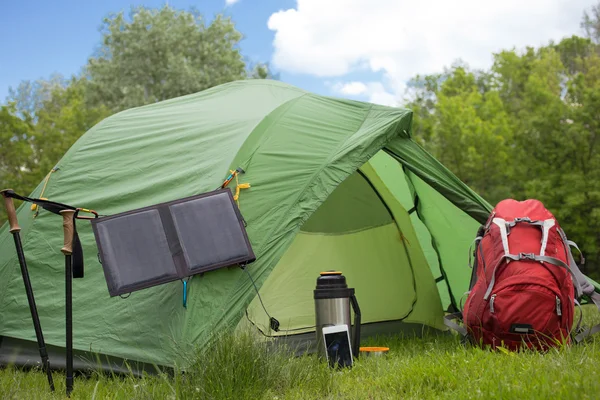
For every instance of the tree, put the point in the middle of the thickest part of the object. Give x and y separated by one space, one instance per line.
160 54
16 153
528 128
30 149
465 126
582 179
63 118
556 126
261 71
422 100
155 55
29 96
591 23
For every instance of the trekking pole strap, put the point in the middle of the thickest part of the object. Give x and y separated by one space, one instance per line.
58 209
51 206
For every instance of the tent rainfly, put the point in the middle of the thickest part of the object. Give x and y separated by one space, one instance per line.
335 184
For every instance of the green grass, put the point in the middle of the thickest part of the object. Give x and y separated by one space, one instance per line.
239 367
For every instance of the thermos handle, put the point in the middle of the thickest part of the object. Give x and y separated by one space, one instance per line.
356 335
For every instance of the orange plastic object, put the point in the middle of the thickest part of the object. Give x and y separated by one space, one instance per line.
369 349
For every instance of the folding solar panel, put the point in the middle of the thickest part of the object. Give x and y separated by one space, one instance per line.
171 241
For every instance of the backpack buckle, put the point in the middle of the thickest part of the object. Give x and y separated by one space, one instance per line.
526 256
514 222
522 219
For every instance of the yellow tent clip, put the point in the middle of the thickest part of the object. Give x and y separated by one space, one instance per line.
237 190
35 206
238 186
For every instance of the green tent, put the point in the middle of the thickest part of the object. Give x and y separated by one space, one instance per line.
335 184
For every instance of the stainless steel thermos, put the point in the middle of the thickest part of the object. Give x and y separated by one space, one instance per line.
333 299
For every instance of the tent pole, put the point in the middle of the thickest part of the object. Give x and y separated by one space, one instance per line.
15 230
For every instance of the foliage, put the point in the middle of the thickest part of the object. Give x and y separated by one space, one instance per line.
591 23
466 129
30 149
16 153
61 121
242 366
161 54
432 367
154 55
29 96
261 71
528 128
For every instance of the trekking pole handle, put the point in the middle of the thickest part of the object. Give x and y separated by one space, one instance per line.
10 211
68 231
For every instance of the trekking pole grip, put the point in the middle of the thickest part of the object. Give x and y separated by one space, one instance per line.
10 211
68 231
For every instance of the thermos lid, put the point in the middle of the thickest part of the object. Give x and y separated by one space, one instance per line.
332 285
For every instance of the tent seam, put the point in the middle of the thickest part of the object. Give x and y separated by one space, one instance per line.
408 257
309 183
434 246
384 139
475 199
245 162
317 173
350 232
264 141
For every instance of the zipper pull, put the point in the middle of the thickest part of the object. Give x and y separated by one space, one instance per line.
558 307
492 303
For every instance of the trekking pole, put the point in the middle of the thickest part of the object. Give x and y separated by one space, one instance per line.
67 250
15 230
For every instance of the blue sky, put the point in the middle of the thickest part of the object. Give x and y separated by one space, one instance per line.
43 37
364 49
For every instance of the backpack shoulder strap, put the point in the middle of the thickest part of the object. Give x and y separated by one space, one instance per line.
473 264
473 255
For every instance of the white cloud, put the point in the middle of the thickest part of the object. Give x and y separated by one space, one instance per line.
351 88
375 92
378 94
230 2
401 39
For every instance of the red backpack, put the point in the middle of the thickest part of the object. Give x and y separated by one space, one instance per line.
525 283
